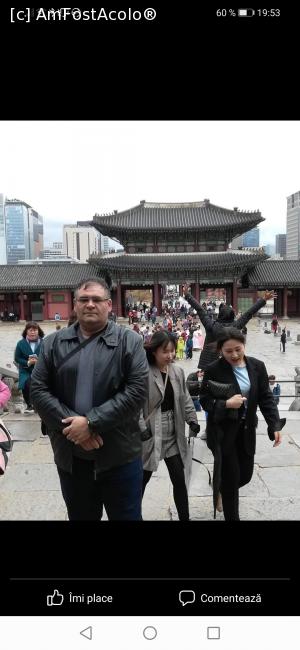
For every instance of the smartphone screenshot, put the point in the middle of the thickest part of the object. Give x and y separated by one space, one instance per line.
149 327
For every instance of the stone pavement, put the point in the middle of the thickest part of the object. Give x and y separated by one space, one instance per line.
30 489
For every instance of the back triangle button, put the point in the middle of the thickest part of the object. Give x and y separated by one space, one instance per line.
87 632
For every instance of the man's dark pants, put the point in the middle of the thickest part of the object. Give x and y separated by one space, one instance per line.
119 490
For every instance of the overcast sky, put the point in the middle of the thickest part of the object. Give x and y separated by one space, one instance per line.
67 171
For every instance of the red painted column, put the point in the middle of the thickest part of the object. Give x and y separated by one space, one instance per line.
278 303
285 300
229 294
159 304
157 298
234 296
298 302
22 312
70 302
45 306
119 300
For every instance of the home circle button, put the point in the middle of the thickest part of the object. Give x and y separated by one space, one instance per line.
150 632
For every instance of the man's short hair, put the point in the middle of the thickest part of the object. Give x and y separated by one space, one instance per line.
88 282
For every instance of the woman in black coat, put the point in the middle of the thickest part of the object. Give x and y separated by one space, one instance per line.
226 318
232 420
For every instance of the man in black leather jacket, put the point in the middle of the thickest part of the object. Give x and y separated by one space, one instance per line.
88 387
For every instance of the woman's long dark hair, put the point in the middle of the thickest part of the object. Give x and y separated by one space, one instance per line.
228 334
159 340
36 326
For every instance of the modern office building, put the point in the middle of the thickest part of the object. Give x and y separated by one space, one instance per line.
269 249
24 231
3 257
293 227
249 239
53 251
104 244
81 242
280 245
63 259
109 245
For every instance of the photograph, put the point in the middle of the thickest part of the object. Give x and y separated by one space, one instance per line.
150 338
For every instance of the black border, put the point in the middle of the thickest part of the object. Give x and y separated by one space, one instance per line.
182 553
187 64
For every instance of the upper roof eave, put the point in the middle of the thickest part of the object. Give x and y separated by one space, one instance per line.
31 277
168 261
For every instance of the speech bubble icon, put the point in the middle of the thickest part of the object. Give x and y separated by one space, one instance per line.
186 597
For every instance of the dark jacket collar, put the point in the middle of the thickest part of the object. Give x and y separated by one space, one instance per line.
109 335
26 345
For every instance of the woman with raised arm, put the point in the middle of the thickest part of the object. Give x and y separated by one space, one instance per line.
226 318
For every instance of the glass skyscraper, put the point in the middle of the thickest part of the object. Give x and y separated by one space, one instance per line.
251 238
293 227
24 231
248 239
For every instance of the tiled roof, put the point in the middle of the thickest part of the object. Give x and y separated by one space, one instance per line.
264 274
173 261
275 273
44 276
201 215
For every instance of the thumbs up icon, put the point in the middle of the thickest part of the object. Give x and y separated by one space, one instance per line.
55 599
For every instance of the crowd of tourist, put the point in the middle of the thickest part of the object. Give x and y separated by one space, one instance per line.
181 321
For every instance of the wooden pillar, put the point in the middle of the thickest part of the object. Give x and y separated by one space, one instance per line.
70 302
22 311
234 296
45 306
298 302
197 292
119 299
159 306
229 293
157 298
285 301
278 303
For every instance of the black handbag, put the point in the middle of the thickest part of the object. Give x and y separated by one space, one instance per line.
219 390
224 392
